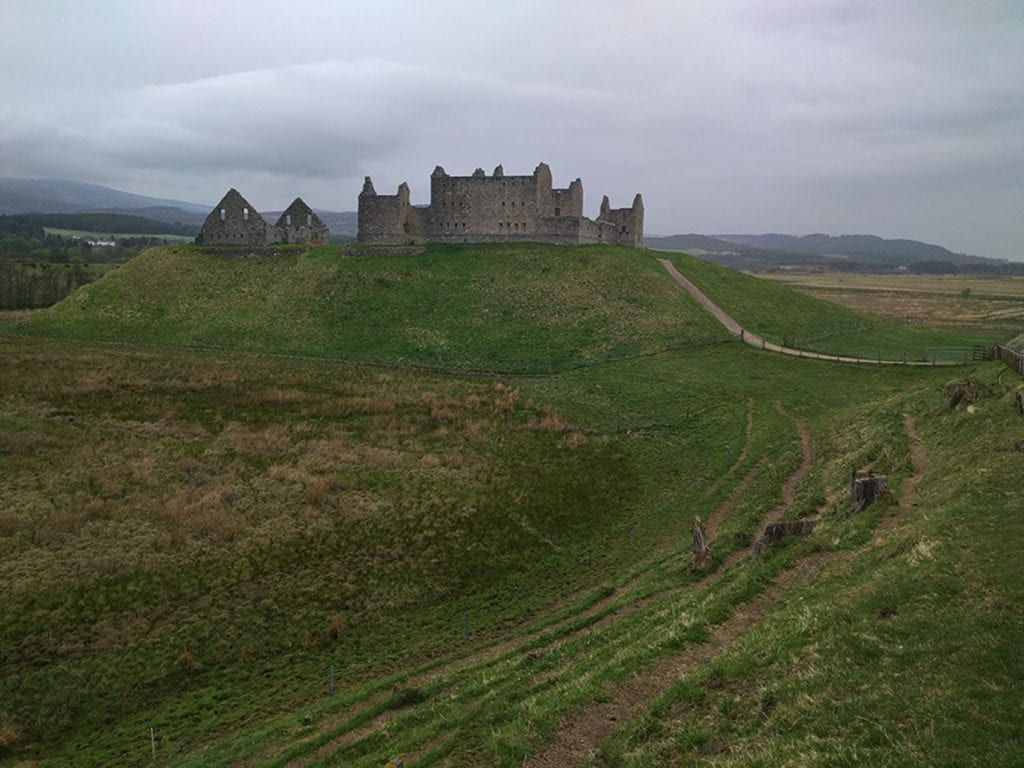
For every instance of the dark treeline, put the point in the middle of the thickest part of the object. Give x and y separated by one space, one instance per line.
55 249
37 269
30 286
32 224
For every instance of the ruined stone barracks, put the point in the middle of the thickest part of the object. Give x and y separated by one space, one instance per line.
495 209
233 221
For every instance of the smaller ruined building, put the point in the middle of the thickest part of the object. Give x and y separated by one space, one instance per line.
495 209
233 221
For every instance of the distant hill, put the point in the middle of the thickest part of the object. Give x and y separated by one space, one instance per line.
59 196
869 247
759 253
120 223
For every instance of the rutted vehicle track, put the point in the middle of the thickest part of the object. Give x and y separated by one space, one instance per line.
583 730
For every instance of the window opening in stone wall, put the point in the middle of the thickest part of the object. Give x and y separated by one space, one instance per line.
558 211
288 219
309 219
223 214
245 214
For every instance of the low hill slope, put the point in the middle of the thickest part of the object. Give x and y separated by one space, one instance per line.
796 320
531 309
522 308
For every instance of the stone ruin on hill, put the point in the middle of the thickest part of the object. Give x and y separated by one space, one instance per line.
495 209
233 221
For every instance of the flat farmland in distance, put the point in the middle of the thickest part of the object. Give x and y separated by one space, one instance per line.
985 303
102 235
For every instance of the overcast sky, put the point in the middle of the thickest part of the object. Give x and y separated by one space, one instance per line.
902 118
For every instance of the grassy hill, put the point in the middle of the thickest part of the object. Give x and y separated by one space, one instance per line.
533 309
192 539
805 322
530 309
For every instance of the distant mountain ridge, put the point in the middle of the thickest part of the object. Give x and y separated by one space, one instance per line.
740 251
844 252
61 196
867 246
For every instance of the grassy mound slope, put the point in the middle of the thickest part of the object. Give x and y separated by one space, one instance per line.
780 314
190 539
531 308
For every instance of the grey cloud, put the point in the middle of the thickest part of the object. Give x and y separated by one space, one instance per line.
901 118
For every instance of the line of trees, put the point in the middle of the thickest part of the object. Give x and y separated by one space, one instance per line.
32 224
31 286
38 270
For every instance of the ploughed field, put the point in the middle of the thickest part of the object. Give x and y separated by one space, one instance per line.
465 483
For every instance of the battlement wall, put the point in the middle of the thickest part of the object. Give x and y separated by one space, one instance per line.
495 208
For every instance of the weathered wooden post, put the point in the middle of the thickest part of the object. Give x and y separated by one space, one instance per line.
865 489
701 549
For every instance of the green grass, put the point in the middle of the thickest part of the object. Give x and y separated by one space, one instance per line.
190 538
902 653
782 315
530 309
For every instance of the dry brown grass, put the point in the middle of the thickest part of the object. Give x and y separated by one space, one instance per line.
944 284
443 415
336 626
319 489
8 522
575 439
273 440
552 421
8 734
942 301
207 511
277 396
505 398
21 443
343 407
316 489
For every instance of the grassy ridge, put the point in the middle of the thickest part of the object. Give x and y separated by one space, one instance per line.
780 314
529 309
190 538
191 527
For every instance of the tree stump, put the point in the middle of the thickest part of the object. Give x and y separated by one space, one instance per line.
701 549
865 489
775 532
